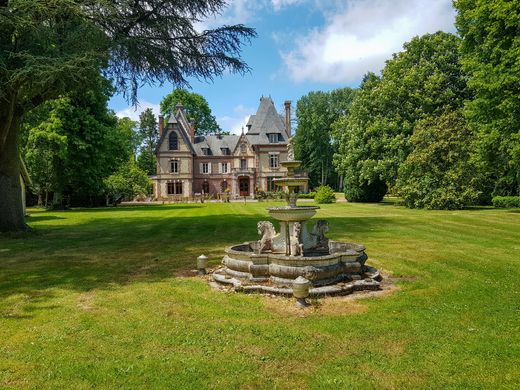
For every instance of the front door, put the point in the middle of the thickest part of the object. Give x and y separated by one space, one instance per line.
243 185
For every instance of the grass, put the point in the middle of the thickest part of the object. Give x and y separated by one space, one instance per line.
104 298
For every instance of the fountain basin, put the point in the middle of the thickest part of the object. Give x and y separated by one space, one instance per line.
292 214
291 181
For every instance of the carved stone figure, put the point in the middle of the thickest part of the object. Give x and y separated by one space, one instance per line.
320 229
267 231
296 245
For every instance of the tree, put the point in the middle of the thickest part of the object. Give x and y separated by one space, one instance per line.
423 81
52 48
440 173
128 128
128 182
150 137
196 107
313 142
491 57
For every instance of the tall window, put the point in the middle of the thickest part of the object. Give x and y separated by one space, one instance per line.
173 141
174 166
273 138
175 188
243 163
273 160
205 187
205 168
225 167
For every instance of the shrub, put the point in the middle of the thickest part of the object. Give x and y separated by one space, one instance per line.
325 194
365 192
309 195
506 202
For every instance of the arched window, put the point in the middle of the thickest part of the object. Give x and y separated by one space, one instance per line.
173 141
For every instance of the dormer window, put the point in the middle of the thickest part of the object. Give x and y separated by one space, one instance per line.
273 138
173 141
206 151
225 151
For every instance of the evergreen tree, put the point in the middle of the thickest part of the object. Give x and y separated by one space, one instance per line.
149 134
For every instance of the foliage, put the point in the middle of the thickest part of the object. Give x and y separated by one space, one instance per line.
46 152
491 57
269 195
149 134
313 142
506 202
364 191
439 172
309 195
420 82
128 128
196 107
93 143
128 182
52 48
325 194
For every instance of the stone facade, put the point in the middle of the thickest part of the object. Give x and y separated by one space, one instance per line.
237 164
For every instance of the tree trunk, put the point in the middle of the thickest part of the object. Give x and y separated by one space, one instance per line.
11 207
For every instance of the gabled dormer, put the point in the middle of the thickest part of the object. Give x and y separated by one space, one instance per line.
177 134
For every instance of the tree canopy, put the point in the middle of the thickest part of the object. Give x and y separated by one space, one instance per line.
52 48
314 144
196 107
420 82
491 57
149 136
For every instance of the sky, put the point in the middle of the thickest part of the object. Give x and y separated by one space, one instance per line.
303 46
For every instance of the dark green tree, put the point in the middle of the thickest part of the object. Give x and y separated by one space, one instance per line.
314 143
149 135
491 56
440 172
50 48
196 107
423 81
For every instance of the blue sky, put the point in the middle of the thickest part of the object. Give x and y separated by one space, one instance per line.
304 46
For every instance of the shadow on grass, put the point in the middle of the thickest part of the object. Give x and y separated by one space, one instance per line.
39 218
106 251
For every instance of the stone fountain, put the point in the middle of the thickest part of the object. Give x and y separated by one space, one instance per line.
273 263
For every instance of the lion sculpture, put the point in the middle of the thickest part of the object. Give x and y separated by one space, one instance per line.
267 231
296 245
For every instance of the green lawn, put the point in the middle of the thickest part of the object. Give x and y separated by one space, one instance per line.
105 298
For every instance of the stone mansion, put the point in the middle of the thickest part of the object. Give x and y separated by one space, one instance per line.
188 164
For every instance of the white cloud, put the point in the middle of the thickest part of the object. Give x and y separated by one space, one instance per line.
279 4
361 35
133 112
235 123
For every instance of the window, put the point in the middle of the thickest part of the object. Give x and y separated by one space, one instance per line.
224 167
271 186
206 151
225 151
243 163
205 168
273 160
273 138
205 187
175 188
178 188
173 141
174 166
223 186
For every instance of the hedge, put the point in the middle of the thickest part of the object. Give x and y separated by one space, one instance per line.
506 202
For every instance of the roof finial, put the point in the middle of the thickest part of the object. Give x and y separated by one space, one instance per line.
242 130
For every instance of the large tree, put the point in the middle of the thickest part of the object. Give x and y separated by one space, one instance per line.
314 144
48 48
149 138
422 81
491 56
196 107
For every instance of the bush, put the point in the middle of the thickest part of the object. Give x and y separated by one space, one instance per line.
506 202
365 192
309 195
325 194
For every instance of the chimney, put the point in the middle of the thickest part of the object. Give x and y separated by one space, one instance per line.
161 125
287 105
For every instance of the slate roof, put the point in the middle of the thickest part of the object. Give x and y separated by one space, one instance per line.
266 120
215 144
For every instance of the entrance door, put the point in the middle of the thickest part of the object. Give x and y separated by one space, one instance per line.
243 184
